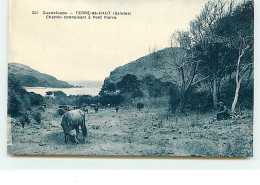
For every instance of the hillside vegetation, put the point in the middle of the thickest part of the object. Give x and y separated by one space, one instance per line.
29 77
212 62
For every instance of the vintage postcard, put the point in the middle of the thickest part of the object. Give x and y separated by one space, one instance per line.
131 78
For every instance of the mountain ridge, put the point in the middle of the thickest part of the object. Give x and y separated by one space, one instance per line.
150 67
29 77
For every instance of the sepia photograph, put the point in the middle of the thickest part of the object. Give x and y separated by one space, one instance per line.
171 78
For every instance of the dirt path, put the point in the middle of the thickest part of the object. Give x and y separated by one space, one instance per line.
138 133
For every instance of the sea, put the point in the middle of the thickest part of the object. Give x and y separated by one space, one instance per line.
86 88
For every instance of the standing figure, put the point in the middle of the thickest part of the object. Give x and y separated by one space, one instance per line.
117 108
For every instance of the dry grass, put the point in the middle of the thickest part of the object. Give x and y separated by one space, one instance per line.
150 132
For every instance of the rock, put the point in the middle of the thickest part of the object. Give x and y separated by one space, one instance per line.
146 137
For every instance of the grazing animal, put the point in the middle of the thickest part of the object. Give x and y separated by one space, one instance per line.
72 120
65 107
140 106
76 107
117 108
86 110
96 109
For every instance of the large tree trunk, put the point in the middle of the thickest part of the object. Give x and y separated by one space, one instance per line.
215 92
236 97
238 80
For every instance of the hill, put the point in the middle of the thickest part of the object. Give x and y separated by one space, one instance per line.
29 77
147 73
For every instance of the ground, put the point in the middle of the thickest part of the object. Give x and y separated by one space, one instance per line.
149 132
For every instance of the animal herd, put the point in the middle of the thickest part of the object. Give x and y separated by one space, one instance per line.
75 119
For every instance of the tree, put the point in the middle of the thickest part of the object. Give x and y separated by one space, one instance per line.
182 61
207 45
129 84
242 21
236 29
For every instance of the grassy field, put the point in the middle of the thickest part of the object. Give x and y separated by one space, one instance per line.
149 132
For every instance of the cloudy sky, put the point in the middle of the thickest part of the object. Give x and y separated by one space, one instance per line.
91 49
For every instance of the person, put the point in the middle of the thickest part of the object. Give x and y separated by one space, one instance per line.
223 112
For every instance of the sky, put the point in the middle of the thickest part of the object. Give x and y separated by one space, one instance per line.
90 49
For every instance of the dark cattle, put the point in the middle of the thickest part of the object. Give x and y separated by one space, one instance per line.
140 106
117 108
72 120
93 105
76 107
65 107
85 109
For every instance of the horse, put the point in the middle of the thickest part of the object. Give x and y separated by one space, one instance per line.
72 120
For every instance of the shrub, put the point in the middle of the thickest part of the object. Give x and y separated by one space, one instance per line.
21 120
130 85
246 94
194 100
36 116
140 106
49 93
113 100
35 99
18 101
59 93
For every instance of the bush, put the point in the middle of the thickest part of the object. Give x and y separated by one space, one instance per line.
49 93
246 94
155 87
35 99
140 106
113 100
59 93
18 101
130 85
21 120
194 100
36 116
199 101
